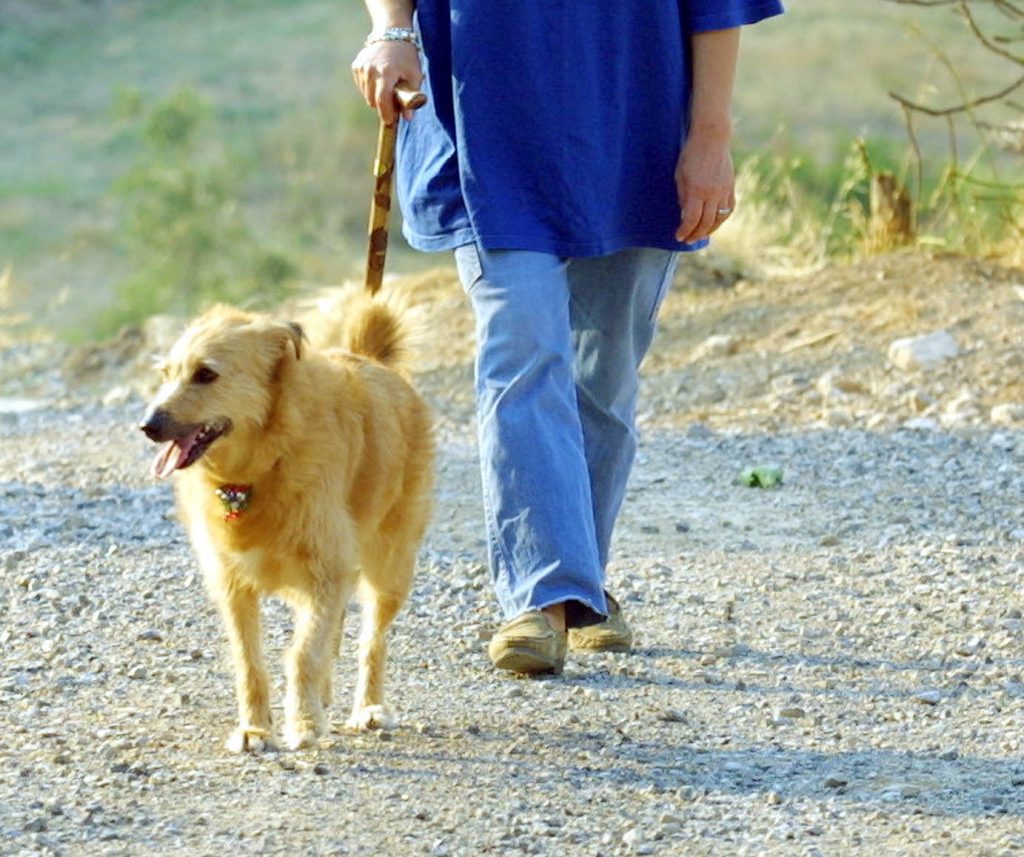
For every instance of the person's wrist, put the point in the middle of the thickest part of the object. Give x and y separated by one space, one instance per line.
393 34
711 128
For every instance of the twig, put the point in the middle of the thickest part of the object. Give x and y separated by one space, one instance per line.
959 108
981 37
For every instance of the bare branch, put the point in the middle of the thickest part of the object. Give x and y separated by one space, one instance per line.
923 2
965 7
958 108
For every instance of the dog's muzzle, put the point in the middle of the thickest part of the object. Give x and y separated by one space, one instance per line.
158 426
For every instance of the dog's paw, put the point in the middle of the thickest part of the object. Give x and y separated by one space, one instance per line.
302 734
249 739
299 739
372 717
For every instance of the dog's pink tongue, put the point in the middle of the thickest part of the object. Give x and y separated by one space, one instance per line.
170 457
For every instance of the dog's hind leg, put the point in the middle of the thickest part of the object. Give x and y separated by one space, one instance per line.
327 679
240 609
368 708
308 658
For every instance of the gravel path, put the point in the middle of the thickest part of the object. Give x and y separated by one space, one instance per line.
832 667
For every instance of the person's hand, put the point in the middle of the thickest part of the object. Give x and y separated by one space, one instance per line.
706 184
381 65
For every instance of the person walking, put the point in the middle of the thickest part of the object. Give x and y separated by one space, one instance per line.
568 152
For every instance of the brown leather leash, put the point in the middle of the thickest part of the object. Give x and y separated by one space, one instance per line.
380 205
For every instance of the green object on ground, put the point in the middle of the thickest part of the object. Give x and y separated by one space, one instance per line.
769 476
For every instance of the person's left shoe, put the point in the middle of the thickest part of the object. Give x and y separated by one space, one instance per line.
611 635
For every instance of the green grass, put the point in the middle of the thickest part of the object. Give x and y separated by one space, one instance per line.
266 67
286 122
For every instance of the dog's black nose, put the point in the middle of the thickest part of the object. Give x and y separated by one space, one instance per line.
154 424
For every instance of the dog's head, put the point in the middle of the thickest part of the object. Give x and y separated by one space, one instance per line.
221 380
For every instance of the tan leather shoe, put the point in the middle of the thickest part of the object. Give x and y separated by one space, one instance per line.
611 635
528 644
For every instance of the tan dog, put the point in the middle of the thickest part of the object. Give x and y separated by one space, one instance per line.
298 474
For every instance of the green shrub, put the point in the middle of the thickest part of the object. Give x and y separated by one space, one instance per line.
183 222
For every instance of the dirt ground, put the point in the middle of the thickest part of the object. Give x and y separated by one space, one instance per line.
830 667
731 351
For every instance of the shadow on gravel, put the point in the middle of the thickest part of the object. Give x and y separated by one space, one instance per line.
903 783
911 783
851 662
746 653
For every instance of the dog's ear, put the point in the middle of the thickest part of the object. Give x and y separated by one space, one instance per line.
287 338
296 336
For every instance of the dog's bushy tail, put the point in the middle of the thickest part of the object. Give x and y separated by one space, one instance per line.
376 328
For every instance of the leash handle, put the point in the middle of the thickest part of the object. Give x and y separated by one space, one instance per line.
410 98
380 205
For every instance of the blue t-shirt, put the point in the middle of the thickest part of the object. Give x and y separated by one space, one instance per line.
553 126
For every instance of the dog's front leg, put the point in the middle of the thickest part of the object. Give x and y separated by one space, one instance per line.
240 609
307 660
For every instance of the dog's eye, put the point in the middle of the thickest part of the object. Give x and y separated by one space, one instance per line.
204 375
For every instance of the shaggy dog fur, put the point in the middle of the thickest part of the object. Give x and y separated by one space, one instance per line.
302 475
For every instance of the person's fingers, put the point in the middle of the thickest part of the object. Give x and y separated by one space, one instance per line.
723 211
708 221
384 100
376 71
705 183
362 74
722 214
413 80
698 220
692 212
701 217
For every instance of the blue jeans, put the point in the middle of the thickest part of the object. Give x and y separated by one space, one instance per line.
559 345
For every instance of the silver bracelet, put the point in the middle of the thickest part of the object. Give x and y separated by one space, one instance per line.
394 34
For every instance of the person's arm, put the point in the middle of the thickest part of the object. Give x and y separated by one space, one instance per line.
705 179
379 66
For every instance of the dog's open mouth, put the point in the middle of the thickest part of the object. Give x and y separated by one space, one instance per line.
186 450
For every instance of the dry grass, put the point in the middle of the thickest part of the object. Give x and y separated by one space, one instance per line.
769 234
13 324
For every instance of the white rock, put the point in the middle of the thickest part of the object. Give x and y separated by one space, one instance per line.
716 345
919 400
119 395
1002 441
921 424
964 403
928 697
19 406
633 838
923 352
792 713
837 384
961 410
1007 414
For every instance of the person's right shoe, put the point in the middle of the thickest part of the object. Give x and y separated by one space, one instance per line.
529 645
611 635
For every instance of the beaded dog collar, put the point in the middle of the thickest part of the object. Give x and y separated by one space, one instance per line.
235 499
